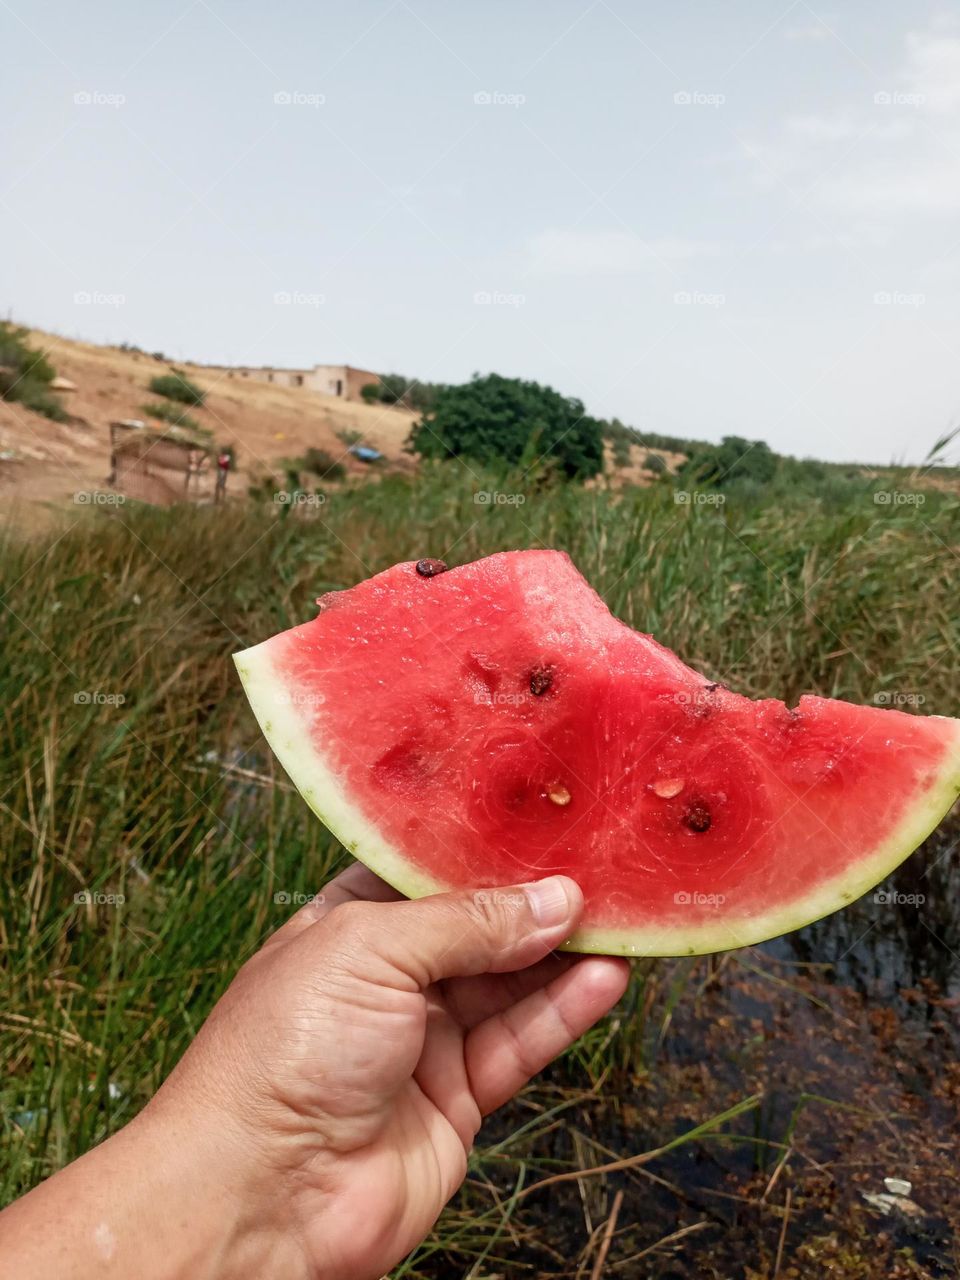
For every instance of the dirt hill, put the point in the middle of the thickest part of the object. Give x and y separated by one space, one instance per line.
44 462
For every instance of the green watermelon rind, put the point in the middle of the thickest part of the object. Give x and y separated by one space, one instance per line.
326 795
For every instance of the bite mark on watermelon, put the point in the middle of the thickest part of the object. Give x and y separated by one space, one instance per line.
493 723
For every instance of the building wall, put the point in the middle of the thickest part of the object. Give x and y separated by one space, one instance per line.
329 379
339 380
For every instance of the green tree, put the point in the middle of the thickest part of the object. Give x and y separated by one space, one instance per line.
497 419
733 459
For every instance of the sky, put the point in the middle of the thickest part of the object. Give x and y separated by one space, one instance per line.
702 219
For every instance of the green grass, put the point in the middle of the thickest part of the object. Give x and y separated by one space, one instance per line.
130 764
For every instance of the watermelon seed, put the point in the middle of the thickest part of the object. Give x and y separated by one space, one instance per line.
697 817
541 678
667 788
430 568
559 795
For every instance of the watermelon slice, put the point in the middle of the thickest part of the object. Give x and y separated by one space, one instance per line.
494 723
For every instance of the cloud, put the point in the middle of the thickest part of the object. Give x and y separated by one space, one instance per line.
888 152
596 252
933 69
844 127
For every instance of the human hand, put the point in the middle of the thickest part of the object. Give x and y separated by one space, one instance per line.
324 1113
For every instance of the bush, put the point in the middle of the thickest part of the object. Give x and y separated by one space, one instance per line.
175 386
171 413
394 388
323 464
495 419
349 437
25 375
734 459
654 462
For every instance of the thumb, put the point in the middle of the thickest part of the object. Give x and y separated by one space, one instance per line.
459 934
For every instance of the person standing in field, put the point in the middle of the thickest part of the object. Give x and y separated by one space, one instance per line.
223 467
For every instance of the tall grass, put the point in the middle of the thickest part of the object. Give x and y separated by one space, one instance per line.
130 765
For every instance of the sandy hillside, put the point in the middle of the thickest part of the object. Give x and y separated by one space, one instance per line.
44 462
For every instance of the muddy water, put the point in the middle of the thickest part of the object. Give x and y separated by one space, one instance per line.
850 1031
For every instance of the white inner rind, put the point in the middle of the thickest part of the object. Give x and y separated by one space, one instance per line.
326 794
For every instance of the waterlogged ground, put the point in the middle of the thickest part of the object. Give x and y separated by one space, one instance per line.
850 1033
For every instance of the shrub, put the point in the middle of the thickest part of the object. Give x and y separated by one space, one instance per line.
167 412
495 419
654 462
733 459
176 386
323 464
25 375
348 437
370 392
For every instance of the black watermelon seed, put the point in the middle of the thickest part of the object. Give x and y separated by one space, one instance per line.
430 568
697 817
540 681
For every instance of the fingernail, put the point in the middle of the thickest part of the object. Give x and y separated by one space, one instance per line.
548 901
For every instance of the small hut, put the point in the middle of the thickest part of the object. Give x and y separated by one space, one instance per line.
161 467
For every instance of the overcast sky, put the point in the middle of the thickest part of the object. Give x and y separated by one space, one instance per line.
700 218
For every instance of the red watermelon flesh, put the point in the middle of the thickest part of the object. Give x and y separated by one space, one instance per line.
494 723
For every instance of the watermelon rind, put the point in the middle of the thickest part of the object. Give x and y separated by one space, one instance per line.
311 773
